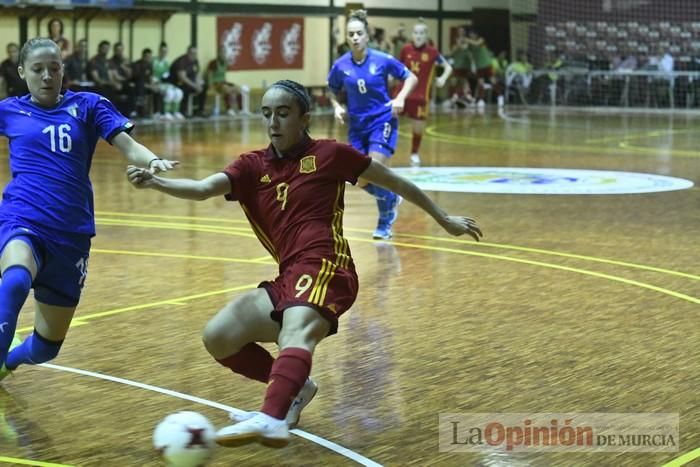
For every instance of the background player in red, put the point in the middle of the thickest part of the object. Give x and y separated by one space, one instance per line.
292 193
421 58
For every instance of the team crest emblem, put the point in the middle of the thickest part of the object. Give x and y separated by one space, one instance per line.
265 179
307 165
424 57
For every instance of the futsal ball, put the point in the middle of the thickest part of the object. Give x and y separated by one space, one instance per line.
184 439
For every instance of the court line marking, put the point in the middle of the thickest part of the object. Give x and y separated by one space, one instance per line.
330 445
174 255
433 132
81 320
672 293
15 460
460 241
684 459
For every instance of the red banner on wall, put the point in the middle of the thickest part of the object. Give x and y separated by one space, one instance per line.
261 43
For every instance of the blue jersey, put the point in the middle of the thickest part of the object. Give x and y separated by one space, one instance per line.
366 86
50 157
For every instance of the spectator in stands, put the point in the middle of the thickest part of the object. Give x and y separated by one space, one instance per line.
482 60
399 40
14 85
216 77
122 73
519 75
75 68
166 102
100 73
55 28
184 73
144 84
463 71
382 44
499 64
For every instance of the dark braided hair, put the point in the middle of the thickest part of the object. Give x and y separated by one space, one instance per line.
296 90
36 43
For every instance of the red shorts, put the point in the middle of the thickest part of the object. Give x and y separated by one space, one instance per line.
317 283
416 109
485 73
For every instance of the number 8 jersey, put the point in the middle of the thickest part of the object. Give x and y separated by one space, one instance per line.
51 151
366 86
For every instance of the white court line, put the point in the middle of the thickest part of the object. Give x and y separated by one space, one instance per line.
343 451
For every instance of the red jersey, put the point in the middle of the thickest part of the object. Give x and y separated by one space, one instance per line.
421 61
295 204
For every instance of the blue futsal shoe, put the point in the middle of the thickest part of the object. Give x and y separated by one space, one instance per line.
387 218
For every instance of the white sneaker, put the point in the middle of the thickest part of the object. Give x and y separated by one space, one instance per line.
168 116
300 402
261 428
179 116
231 113
415 160
481 104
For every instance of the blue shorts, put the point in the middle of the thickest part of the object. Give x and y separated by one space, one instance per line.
380 138
62 261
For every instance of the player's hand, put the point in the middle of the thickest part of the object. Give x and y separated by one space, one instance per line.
440 82
162 165
340 114
459 225
397 106
140 178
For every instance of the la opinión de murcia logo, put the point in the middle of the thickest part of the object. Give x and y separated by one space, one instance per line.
291 43
231 41
261 43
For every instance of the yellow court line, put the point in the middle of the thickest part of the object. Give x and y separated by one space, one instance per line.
478 244
168 216
631 136
14 460
174 255
546 252
100 314
229 231
547 265
684 459
499 143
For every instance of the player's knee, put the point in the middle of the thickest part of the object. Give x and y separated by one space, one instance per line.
43 350
303 327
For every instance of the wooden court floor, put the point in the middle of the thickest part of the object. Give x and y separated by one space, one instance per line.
585 303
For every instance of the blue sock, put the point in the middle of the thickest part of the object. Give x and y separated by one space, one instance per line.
14 288
385 198
34 350
373 190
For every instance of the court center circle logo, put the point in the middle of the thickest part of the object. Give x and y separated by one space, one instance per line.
532 181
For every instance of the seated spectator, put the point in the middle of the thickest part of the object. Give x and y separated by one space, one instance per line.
184 73
216 77
14 85
55 27
519 75
100 72
75 74
121 69
144 84
166 102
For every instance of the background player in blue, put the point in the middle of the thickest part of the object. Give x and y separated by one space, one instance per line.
47 210
363 73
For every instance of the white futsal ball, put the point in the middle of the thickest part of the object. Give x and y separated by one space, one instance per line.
184 439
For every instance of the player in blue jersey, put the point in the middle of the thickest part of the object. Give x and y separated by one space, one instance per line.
363 73
47 213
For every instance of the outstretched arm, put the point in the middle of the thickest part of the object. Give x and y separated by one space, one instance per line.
456 225
217 184
138 154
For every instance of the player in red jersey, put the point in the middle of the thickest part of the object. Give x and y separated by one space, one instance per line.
421 58
292 193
